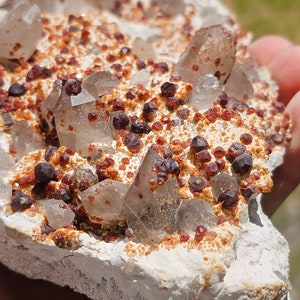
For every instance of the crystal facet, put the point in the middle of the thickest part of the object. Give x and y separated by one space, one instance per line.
20 30
24 138
193 212
205 92
238 84
140 77
75 127
7 163
151 213
171 7
222 183
104 200
211 51
100 83
58 213
143 49
48 105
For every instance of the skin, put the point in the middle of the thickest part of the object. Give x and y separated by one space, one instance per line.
283 60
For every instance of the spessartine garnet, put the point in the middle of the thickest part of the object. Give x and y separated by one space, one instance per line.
242 164
228 198
44 172
198 144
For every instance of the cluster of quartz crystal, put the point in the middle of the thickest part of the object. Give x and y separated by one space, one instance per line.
151 213
150 204
211 51
24 138
72 106
20 29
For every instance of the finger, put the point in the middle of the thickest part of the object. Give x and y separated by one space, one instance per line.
287 177
285 70
268 48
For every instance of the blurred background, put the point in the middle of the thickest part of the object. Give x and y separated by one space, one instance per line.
277 17
259 17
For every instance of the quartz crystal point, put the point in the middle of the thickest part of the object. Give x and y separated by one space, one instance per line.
143 49
195 212
238 84
205 92
25 139
100 83
79 123
211 51
20 30
104 200
47 106
58 213
151 213
223 182
140 77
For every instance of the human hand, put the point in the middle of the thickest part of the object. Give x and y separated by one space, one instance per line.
283 60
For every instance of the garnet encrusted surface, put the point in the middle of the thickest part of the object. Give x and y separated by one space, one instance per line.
128 141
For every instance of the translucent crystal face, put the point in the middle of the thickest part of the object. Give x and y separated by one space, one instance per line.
24 138
238 83
20 30
58 214
205 92
78 123
151 213
143 49
48 106
100 83
7 163
104 200
223 182
194 212
211 51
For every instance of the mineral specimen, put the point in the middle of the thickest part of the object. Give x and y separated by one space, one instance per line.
222 183
205 92
104 200
151 213
193 212
24 138
141 131
58 213
100 83
211 51
75 129
20 30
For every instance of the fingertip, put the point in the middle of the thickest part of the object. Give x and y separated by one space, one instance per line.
290 169
293 110
285 70
267 48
